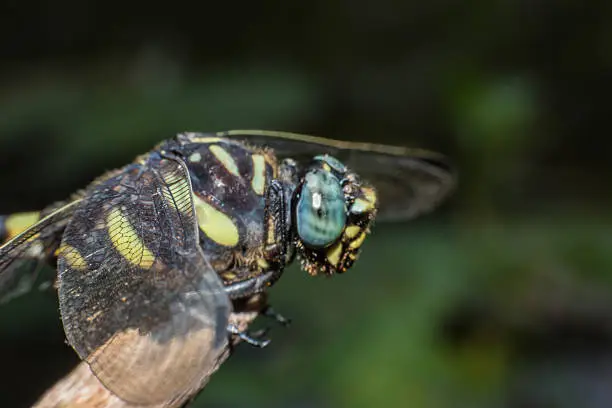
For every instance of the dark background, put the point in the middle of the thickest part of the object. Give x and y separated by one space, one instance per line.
502 298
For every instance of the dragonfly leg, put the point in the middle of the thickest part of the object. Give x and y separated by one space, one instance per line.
252 286
268 311
255 339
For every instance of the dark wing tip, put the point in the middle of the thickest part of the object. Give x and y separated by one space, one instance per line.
410 183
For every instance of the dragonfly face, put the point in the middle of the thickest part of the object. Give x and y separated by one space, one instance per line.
152 258
332 212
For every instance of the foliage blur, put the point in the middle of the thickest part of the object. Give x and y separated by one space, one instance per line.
502 298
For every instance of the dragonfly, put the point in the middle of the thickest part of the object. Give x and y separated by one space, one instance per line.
152 258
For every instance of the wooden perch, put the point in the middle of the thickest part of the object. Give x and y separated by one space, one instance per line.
82 389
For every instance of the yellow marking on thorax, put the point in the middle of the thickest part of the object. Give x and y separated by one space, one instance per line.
259 174
334 253
271 160
126 241
17 223
216 225
195 157
206 140
72 257
225 159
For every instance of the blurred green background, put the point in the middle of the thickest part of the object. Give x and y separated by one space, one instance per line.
502 298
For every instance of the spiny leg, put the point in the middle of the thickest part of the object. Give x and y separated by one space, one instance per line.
256 303
271 313
252 339
250 287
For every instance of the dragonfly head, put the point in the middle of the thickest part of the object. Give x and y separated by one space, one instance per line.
332 212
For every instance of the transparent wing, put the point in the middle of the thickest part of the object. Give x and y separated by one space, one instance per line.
139 302
409 182
21 258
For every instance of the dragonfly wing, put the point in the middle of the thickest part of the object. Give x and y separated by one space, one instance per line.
138 299
21 258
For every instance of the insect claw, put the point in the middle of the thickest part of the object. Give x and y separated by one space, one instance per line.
279 318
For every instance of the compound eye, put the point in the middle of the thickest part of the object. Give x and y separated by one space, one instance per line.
321 209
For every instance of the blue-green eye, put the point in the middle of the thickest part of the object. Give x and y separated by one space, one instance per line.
321 209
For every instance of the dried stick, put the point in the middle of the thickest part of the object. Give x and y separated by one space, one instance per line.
81 389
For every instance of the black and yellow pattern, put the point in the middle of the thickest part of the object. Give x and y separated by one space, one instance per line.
30 239
152 258
14 224
132 250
